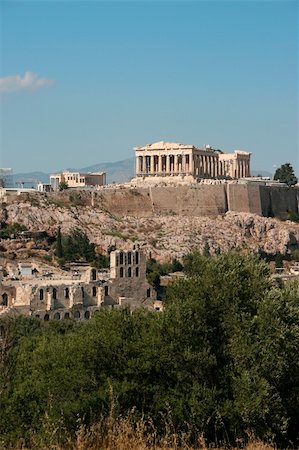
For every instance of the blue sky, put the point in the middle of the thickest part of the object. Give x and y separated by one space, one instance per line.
103 77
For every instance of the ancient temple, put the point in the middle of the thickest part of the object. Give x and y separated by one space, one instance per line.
169 159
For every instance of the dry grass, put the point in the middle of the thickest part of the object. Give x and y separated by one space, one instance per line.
123 436
122 433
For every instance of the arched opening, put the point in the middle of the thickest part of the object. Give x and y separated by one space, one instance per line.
94 274
46 317
41 294
129 272
94 291
87 315
106 290
136 258
129 258
57 316
67 315
4 299
121 258
54 293
121 272
66 293
77 314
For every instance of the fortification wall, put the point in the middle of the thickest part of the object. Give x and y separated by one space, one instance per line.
279 201
192 200
244 198
142 202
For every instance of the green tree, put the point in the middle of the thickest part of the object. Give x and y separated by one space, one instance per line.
59 249
76 246
63 186
285 174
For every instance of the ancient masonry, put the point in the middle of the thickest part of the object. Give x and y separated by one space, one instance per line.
81 293
176 161
77 179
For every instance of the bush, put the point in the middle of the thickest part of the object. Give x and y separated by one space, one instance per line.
11 230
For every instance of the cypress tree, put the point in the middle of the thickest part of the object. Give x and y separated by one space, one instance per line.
59 249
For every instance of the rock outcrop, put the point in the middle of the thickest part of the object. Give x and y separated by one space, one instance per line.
165 236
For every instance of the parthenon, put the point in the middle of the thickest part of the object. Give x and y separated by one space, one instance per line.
169 159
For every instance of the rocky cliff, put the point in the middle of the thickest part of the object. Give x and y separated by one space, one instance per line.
164 235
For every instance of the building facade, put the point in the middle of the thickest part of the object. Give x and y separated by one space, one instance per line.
81 293
77 179
169 159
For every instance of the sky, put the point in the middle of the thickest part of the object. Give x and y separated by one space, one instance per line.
83 82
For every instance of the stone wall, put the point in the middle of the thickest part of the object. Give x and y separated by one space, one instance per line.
244 198
202 200
190 200
279 201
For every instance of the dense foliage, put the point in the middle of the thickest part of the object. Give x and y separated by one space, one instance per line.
8 230
222 359
77 247
154 270
285 174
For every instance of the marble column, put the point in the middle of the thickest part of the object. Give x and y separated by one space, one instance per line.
167 164
183 163
215 167
143 170
160 164
152 170
175 168
191 164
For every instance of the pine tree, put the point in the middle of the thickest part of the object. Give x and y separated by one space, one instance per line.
285 174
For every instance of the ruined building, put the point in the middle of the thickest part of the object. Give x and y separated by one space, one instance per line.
171 161
77 179
79 294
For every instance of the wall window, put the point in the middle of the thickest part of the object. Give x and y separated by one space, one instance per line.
67 315
148 292
4 299
41 294
83 293
87 315
57 316
121 258
129 272
46 317
66 293
93 274
137 271
106 290
121 272
54 293
136 258
77 314
94 291
129 258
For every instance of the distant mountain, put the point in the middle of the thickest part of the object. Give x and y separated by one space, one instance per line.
26 180
118 172
264 173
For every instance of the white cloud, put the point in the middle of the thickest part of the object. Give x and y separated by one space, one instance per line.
29 81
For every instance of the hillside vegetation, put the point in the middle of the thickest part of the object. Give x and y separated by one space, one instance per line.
218 367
